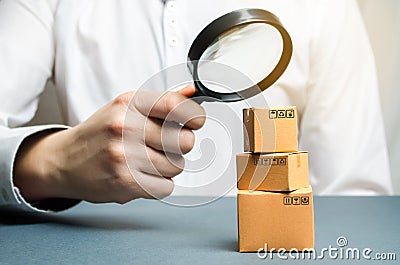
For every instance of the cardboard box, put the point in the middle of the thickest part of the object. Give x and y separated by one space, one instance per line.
270 130
275 220
272 172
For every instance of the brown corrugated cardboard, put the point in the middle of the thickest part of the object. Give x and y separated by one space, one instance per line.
270 130
275 220
272 172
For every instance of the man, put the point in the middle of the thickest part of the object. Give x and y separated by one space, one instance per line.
97 51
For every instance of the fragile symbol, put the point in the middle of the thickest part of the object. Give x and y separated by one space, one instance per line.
272 114
305 200
296 200
287 200
290 113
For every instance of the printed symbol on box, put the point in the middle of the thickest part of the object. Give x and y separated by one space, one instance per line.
262 161
287 200
266 161
290 113
305 200
275 161
281 114
282 161
273 114
296 200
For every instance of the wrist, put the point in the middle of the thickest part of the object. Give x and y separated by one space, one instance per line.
36 171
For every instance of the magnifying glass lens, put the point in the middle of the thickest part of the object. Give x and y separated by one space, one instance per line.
238 55
253 50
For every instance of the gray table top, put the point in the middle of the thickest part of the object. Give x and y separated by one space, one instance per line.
151 232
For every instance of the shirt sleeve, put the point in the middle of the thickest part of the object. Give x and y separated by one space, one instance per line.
26 63
342 125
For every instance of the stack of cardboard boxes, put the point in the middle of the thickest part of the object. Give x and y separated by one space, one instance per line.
275 202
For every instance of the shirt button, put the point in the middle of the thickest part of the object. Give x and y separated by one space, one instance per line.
172 22
171 5
173 41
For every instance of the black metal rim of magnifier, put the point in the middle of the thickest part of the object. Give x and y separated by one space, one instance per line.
219 26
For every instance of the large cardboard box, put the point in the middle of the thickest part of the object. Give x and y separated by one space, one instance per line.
275 220
270 130
272 172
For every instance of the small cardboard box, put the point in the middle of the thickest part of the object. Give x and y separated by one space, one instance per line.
272 172
270 130
275 220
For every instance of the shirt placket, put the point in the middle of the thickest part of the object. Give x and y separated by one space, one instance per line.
173 40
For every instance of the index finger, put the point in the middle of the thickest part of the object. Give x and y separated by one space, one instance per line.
171 106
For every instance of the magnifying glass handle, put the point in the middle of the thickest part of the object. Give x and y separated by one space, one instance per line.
199 97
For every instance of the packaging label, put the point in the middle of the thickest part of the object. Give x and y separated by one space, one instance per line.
281 114
270 161
296 200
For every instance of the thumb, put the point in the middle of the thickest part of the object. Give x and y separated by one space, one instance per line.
188 90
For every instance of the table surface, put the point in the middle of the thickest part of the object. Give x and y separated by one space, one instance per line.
151 232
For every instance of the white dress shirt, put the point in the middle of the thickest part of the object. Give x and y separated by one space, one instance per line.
97 49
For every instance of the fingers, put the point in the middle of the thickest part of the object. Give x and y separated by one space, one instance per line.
142 185
155 138
152 186
168 136
171 106
142 172
162 164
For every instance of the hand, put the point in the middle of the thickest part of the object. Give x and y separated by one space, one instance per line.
130 148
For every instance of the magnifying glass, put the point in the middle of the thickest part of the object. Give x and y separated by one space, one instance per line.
249 43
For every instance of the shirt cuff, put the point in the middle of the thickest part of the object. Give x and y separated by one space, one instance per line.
10 196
